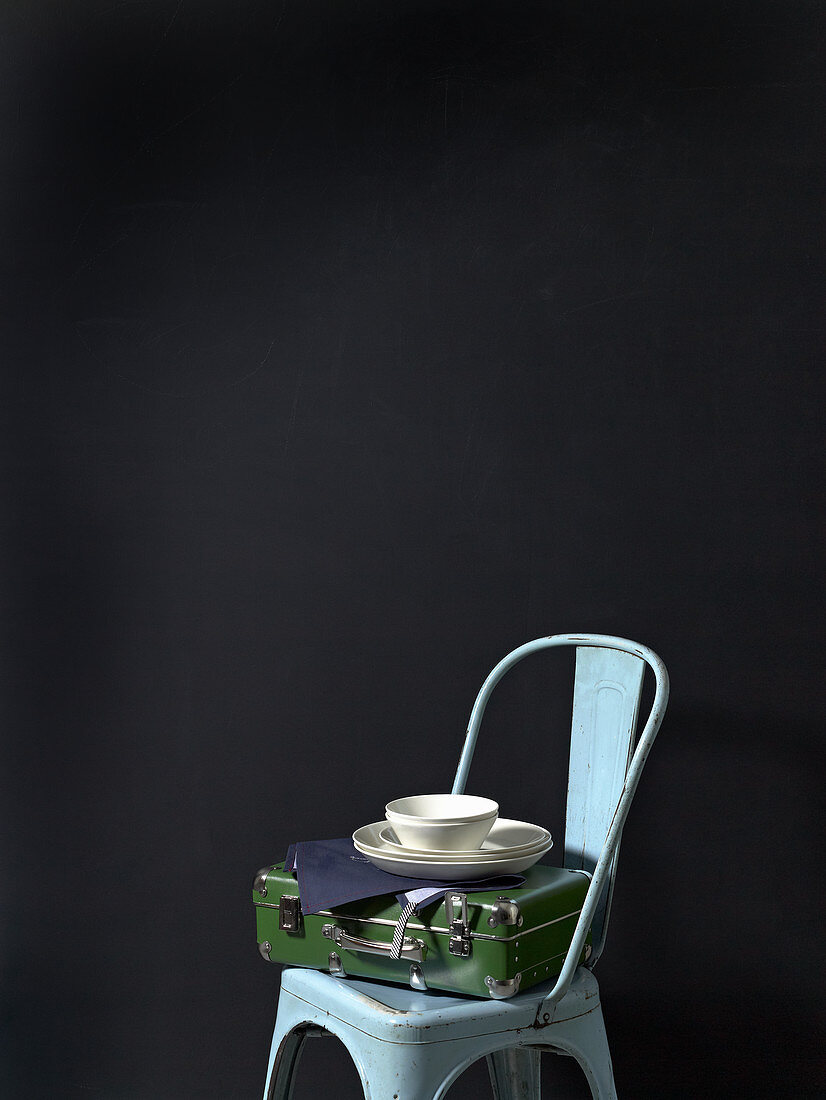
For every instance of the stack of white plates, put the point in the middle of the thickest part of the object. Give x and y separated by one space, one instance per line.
510 847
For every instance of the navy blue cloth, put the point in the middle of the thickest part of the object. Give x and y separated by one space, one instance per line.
332 872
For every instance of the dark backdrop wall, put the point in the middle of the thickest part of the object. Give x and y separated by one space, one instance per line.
346 347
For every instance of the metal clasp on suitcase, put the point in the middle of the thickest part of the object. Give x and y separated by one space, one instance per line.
289 914
411 949
459 942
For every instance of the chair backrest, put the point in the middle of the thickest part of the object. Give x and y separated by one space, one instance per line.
603 774
607 690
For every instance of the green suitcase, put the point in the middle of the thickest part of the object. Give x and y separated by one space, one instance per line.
479 944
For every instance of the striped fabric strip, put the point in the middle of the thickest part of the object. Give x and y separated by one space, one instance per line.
399 930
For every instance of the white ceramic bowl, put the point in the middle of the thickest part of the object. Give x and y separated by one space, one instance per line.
442 822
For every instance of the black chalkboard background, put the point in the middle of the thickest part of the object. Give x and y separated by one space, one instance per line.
346 347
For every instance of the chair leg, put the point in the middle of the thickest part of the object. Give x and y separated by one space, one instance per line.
391 1071
584 1038
514 1073
281 1072
293 1023
387 1070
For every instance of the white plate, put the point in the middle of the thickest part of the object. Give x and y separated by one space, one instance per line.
506 837
455 872
441 869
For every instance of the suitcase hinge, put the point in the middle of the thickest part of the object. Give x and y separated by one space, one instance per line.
289 914
459 942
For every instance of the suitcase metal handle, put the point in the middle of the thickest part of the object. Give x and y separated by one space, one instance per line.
411 949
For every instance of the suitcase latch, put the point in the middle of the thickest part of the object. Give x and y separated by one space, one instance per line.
459 942
289 914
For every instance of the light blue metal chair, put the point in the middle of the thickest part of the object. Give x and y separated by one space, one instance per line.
412 1045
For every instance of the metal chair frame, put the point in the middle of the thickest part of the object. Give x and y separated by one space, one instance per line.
410 1045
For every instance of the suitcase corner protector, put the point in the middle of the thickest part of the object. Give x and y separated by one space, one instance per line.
499 989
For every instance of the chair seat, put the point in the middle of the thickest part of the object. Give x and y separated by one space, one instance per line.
413 1045
401 1015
